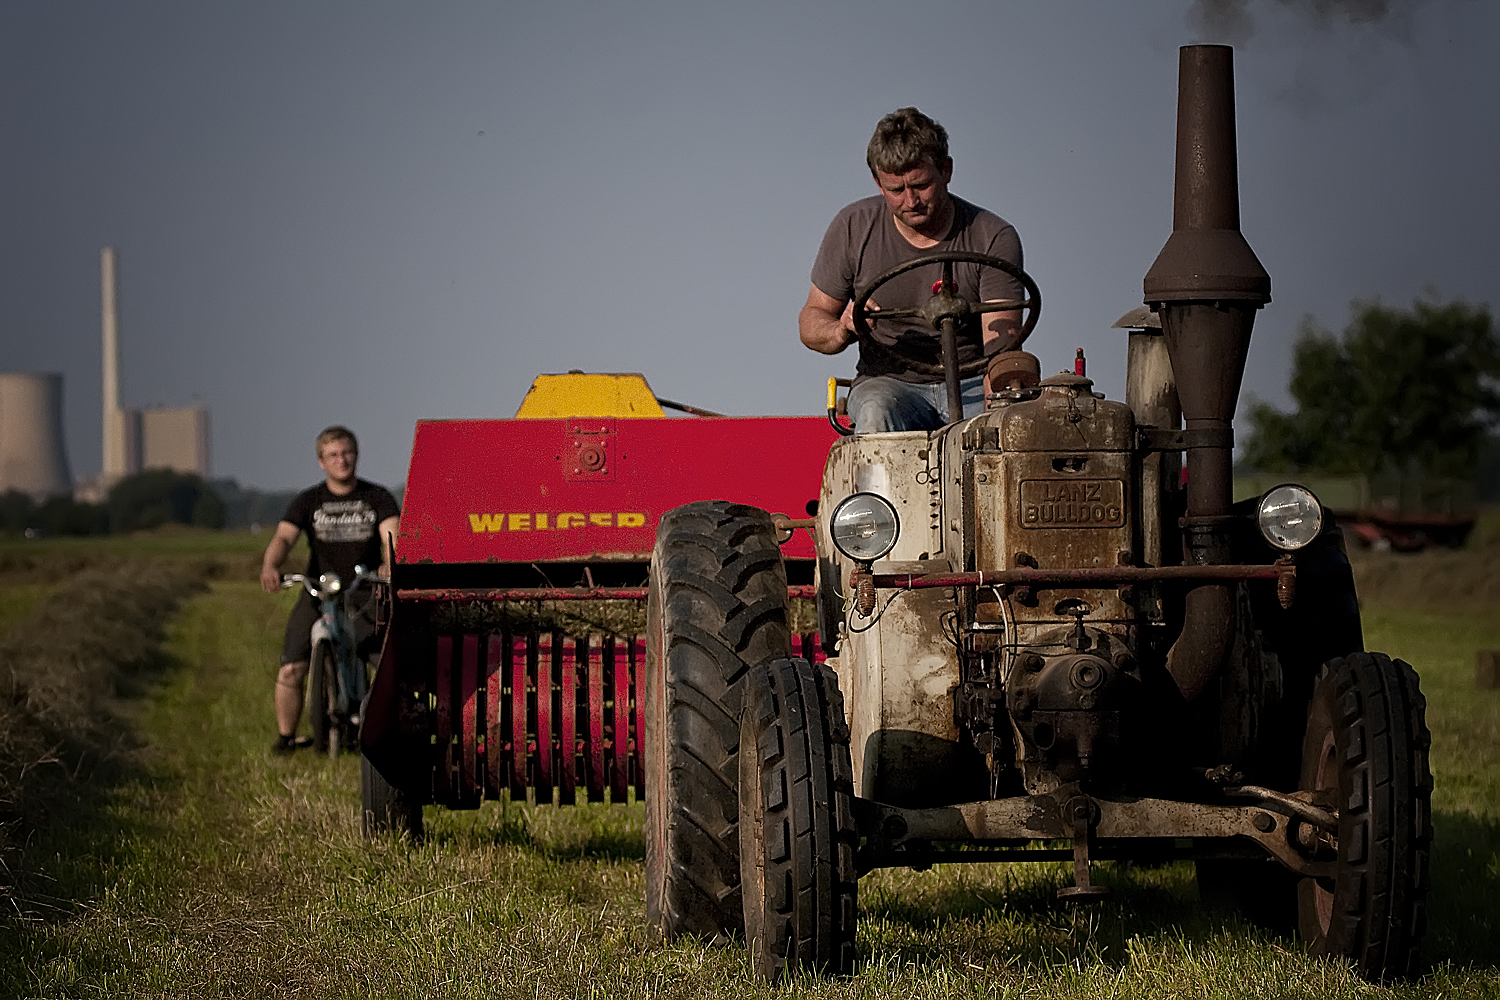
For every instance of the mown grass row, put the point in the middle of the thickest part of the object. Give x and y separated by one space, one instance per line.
211 869
73 651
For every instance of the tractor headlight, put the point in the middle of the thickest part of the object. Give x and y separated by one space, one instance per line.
1290 517
329 583
864 526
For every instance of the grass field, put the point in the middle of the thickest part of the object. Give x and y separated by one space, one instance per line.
204 867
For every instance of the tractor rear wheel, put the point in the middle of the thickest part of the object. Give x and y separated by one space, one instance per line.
797 835
386 808
320 685
717 607
1366 745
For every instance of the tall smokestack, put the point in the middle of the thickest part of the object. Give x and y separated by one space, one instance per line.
122 430
1206 284
114 420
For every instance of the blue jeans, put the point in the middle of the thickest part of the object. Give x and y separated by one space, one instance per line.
888 404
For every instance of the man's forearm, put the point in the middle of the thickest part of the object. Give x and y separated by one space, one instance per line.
275 553
1002 333
389 529
821 332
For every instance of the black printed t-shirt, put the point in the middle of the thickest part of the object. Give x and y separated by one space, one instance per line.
342 531
863 242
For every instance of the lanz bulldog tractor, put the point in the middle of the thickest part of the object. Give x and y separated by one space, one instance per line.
1042 629
1034 628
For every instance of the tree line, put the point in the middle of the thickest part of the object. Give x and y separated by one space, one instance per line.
145 500
142 501
1409 391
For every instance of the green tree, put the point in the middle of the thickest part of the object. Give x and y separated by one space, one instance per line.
17 510
57 515
160 496
62 515
1401 390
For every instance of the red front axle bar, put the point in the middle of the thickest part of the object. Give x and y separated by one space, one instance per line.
1100 576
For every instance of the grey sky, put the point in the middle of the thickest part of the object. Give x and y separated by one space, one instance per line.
372 213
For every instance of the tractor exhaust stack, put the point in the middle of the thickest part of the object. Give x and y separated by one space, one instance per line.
1206 284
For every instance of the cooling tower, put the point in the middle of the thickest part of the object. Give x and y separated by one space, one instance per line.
33 458
175 438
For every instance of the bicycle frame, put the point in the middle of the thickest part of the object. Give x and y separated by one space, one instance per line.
335 627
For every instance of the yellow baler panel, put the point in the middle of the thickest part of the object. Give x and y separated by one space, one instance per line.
579 394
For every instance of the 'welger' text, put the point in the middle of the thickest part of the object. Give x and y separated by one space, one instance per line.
481 523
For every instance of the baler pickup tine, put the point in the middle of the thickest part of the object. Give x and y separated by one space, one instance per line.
494 714
470 781
594 751
546 668
443 669
522 650
619 747
638 737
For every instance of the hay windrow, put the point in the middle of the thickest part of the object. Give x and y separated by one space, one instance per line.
64 670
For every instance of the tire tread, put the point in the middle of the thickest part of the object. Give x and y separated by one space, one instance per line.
809 913
718 591
1385 827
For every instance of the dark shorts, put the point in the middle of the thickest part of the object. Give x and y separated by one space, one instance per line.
296 645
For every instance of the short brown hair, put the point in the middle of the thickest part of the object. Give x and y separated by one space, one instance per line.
903 140
332 434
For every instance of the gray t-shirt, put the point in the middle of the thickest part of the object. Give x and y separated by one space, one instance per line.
862 242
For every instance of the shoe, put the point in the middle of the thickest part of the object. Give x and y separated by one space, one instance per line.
302 742
284 746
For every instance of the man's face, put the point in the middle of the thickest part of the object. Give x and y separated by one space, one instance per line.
338 458
919 196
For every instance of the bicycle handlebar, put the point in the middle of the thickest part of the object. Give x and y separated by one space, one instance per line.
289 580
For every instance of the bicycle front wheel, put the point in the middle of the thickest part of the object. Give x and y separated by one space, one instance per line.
322 698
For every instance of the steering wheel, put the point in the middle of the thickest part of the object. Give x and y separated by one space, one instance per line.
946 304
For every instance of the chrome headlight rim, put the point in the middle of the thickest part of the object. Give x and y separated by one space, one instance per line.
1304 531
329 583
866 554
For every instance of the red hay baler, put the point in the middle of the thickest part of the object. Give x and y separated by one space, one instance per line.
514 660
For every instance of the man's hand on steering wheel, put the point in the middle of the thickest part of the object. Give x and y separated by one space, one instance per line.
847 320
946 304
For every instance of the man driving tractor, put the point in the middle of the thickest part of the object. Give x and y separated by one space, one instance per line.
913 215
349 522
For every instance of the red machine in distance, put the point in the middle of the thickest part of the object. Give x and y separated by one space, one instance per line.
472 697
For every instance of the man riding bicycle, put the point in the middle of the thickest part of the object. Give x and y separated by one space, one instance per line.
349 522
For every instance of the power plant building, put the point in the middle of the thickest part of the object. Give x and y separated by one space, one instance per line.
156 437
33 457
175 438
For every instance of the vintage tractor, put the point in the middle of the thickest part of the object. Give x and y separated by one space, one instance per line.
1042 630
513 662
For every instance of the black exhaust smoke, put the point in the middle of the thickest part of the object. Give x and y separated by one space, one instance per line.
1206 284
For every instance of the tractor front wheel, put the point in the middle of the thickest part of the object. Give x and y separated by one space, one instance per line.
797 835
717 607
1366 747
